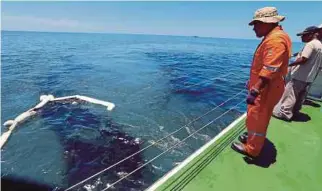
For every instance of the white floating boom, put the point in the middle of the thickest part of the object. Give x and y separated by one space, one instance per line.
44 99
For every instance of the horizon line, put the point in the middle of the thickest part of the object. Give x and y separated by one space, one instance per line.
125 33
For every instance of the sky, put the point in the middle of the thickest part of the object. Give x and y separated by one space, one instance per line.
208 19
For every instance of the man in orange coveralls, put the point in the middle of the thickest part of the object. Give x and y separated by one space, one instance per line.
266 84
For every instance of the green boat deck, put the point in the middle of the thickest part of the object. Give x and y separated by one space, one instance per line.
291 160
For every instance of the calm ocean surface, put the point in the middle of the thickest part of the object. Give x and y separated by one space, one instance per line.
158 84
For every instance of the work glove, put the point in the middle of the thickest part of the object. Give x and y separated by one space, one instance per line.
251 97
247 84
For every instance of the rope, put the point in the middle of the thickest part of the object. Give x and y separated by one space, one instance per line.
143 149
111 185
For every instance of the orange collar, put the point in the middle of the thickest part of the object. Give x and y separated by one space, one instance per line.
274 30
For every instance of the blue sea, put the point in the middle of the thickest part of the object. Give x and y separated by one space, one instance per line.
158 84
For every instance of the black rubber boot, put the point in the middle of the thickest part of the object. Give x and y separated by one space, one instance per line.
239 147
243 138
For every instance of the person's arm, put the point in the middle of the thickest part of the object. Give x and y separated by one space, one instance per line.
306 53
261 83
299 61
272 61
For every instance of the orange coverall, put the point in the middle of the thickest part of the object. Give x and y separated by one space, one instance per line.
270 61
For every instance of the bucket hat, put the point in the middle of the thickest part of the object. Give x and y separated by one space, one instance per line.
267 15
